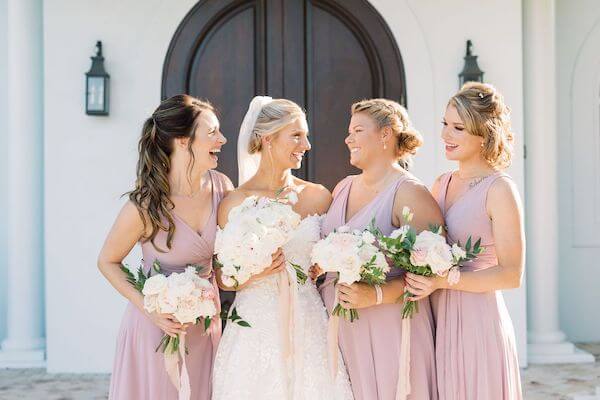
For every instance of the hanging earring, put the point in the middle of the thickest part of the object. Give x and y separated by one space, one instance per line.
384 146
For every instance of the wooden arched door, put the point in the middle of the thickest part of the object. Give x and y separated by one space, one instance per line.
322 54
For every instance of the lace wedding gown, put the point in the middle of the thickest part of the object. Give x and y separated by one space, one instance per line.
250 362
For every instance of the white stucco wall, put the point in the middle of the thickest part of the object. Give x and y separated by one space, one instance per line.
3 165
578 68
90 161
431 36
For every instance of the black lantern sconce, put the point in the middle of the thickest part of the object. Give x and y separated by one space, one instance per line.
471 71
97 85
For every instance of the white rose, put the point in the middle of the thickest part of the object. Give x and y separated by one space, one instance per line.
167 304
151 303
458 252
368 237
437 253
180 285
154 285
188 309
207 309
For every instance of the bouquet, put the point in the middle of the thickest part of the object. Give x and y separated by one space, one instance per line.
426 253
187 296
354 256
255 230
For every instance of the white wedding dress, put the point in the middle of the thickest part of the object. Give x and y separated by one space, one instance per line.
250 364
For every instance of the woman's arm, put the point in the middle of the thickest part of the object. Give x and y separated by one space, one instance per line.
127 230
506 213
426 212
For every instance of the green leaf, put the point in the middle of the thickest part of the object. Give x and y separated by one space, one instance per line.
301 277
244 324
207 322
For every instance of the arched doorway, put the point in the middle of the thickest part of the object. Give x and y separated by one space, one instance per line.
322 54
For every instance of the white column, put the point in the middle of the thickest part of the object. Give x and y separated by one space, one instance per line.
24 344
546 342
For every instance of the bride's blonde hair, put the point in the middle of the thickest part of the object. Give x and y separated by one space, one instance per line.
273 117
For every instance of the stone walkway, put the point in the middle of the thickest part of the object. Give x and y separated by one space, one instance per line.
540 382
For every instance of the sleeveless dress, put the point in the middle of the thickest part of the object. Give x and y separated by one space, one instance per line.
250 361
371 345
475 341
138 371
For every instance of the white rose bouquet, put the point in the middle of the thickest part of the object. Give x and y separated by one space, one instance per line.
187 296
256 229
355 257
426 253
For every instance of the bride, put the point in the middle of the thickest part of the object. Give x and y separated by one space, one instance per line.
251 363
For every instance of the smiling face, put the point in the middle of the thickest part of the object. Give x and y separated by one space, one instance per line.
207 141
365 140
287 147
460 144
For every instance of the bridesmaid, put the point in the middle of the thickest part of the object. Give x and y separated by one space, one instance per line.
172 213
381 140
475 343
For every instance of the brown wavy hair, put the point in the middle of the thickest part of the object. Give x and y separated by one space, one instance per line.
387 112
175 117
484 113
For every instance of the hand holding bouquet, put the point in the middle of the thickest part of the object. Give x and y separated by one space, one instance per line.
355 257
426 253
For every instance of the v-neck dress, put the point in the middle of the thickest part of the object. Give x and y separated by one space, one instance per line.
476 355
370 345
138 371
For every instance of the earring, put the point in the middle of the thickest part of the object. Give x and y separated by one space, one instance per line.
384 146
481 144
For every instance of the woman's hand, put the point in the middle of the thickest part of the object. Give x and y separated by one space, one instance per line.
357 295
168 324
422 286
314 272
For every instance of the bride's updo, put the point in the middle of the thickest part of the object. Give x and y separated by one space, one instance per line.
273 117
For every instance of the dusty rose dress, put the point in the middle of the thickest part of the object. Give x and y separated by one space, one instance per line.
370 345
138 371
476 354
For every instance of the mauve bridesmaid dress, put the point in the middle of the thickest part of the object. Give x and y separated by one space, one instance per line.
138 371
370 345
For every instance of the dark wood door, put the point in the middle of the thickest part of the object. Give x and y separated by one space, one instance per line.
322 54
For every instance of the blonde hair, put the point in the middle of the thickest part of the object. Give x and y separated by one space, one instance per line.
272 118
481 108
389 113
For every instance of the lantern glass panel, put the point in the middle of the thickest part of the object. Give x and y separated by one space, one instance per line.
95 95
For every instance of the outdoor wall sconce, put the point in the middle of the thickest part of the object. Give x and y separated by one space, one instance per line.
471 71
97 85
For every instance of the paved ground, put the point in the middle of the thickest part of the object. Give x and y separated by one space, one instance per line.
547 382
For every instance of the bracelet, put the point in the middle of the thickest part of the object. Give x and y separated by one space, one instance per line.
379 293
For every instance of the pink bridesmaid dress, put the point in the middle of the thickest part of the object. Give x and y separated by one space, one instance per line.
138 371
476 354
370 345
